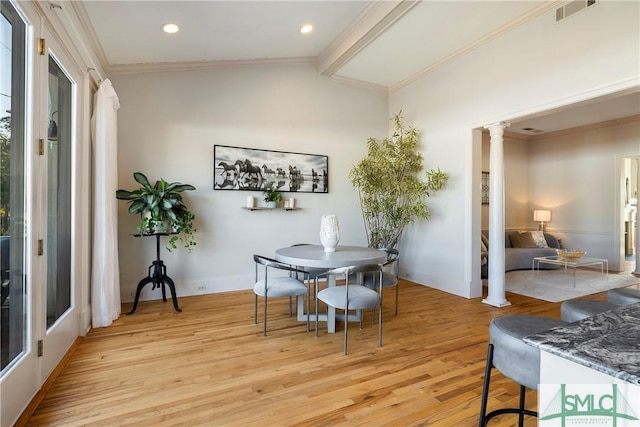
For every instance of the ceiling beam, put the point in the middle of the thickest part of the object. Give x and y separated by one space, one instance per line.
375 19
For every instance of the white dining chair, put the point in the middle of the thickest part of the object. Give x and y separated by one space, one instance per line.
272 286
313 271
350 296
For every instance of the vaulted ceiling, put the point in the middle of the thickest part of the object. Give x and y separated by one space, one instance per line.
381 44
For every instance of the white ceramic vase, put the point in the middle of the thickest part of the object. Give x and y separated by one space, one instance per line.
329 232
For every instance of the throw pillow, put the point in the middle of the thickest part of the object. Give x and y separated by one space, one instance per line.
483 247
522 239
485 240
538 237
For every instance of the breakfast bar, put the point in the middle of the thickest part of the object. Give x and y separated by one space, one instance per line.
602 349
590 369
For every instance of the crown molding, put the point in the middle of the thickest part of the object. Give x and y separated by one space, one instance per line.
59 24
63 21
571 131
157 67
586 128
215 65
373 21
360 83
516 136
533 13
84 22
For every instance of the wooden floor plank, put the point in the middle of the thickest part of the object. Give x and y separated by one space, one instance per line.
210 365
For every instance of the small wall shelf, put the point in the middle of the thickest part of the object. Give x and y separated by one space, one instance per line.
264 208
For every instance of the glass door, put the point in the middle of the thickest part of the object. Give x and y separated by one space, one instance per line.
12 197
60 320
44 232
18 361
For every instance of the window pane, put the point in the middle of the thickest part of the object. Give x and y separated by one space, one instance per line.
58 194
12 194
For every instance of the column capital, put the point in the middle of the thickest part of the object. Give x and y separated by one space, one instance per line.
495 125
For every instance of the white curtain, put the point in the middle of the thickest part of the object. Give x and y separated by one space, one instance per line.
105 274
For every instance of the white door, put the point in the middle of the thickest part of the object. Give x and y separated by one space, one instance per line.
39 208
19 377
58 208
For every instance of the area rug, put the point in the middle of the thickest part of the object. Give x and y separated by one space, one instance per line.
557 285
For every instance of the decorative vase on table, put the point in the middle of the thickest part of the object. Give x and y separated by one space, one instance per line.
329 232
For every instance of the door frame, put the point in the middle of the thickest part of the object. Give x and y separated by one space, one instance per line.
25 377
620 253
60 336
21 376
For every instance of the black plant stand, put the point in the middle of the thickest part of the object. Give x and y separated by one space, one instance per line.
158 277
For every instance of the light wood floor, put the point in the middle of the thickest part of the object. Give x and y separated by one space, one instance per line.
210 365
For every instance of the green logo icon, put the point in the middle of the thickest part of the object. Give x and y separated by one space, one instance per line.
604 404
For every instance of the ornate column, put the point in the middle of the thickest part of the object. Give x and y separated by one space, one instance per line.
636 271
497 296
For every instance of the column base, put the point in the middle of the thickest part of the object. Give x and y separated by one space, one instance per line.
503 303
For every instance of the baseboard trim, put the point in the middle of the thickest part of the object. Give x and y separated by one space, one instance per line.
37 399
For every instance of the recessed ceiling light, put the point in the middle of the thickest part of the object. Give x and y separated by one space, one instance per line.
306 28
170 28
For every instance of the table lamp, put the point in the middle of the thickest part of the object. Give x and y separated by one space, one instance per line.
542 216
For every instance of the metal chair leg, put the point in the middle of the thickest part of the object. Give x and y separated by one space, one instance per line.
255 309
484 417
485 386
521 417
380 326
265 315
316 299
308 308
346 327
397 293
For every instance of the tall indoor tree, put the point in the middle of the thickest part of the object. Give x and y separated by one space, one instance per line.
392 193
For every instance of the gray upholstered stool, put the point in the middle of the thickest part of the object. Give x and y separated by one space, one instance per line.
624 296
514 358
578 309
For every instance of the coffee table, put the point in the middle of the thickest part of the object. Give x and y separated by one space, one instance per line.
572 263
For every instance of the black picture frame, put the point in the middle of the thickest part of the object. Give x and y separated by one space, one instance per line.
253 169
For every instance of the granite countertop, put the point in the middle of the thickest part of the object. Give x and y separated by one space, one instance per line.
608 342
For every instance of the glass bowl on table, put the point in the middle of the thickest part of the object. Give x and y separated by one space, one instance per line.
570 255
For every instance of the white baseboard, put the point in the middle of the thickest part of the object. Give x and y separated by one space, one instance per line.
188 288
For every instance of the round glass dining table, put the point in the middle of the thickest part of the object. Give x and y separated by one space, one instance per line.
314 256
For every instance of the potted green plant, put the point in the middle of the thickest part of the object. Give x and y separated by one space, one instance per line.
271 197
162 209
391 192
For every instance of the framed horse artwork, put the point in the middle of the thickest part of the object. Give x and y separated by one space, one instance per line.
238 168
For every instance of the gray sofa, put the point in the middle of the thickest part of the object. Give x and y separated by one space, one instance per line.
520 258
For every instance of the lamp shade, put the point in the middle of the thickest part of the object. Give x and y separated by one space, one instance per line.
542 215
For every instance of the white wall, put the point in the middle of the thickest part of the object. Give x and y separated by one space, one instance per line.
168 125
516 186
578 177
538 66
